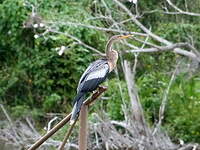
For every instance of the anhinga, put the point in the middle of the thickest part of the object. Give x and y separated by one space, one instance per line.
95 74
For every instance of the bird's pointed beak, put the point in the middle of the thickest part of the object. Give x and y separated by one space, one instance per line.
125 36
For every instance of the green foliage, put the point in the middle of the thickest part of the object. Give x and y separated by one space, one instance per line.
51 103
151 86
183 110
20 111
116 98
32 71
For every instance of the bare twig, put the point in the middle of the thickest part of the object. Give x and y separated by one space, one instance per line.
65 120
164 100
180 11
174 47
138 114
78 40
140 25
10 123
96 28
31 126
50 122
67 136
50 133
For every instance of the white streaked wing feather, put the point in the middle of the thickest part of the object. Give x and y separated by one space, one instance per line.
90 67
98 73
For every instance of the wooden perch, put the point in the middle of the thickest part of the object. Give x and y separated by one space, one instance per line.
82 141
62 146
66 119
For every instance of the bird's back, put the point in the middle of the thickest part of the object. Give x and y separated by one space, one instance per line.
93 75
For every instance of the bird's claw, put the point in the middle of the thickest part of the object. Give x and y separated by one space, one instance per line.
102 87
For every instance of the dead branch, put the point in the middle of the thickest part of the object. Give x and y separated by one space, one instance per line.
140 25
62 146
113 139
50 122
173 47
50 133
96 28
78 40
16 137
65 120
164 100
31 126
154 36
138 114
180 11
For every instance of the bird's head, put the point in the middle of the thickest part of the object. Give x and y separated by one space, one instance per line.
114 39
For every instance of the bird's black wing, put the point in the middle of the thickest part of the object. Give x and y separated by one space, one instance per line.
94 75
93 66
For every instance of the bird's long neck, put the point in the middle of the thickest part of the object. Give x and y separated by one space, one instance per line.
111 65
109 47
111 60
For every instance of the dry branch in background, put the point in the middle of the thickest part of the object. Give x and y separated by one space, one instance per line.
137 111
173 47
62 146
180 11
106 135
165 98
96 28
154 36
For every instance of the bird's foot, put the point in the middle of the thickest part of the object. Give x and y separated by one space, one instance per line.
102 87
98 90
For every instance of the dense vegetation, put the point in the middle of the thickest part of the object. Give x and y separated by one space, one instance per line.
35 80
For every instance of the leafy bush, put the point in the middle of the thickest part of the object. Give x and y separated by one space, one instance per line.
116 98
182 112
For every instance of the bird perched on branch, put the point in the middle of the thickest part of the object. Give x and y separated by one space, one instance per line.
95 74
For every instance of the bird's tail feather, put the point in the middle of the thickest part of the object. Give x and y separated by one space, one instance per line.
78 101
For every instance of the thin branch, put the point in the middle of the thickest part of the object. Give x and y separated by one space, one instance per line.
145 42
180 11
10 124
31 126
120 23
78 40
164 100
50 133
62 146
122 6
50 122
65 120
6 114
96 28
173 47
